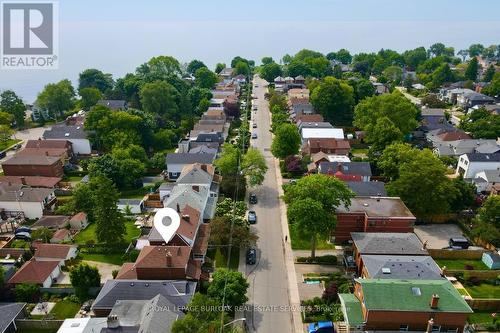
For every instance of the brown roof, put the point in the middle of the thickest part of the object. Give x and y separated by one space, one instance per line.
34 181
57 152
453 136
79 217
328 143
309 118
13 253
201 243
52 221
163 256
190 218
127 272
58 251
51 144
61 234
31 160
34 271
209 127
319 156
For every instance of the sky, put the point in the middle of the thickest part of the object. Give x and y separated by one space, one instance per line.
116 36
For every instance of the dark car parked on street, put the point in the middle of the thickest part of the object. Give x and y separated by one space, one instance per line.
251 256
253 198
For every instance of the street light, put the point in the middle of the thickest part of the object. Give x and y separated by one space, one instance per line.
232 322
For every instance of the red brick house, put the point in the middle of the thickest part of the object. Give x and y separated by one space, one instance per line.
33 165
327 146
372 214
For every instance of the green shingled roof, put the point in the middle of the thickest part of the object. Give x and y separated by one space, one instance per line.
351 308
411 295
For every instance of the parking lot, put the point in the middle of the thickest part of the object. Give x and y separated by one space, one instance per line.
437 235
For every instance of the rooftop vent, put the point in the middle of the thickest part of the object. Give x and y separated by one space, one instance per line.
66 134
386 270
416 291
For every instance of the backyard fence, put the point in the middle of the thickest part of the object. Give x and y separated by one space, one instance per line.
483 304
33 324
456 254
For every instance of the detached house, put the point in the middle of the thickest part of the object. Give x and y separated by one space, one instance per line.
373 214
32 202
73 133
33 165
470 164
350 171
405 305
327 146
42 273
177 161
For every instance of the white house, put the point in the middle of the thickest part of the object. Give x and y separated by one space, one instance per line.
485 179
470 164
73 133
42 273
321 133
29 201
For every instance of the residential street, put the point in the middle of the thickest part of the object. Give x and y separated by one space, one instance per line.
268 278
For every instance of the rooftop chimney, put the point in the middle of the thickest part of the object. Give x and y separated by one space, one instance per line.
434 301
113 321
204 167
186 217
178 208
424 246
430 323
23 180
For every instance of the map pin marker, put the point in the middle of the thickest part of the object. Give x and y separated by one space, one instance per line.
167 221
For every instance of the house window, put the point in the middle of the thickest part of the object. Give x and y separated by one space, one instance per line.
403 328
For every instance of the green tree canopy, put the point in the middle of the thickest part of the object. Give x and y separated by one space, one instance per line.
286 141
194 65
90 96
13 104
472 69
334 99
160 98
57 98
228 287
205 78
227 163
488 221
393 107
83 277
94 78
270 71
254 167
198 319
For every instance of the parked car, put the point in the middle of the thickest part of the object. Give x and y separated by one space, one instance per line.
459 243
321 327
252 217
254 135
16 147
251 256
254 125
3 154
22 229
253 198
23 236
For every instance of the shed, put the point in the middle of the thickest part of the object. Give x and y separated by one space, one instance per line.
492 260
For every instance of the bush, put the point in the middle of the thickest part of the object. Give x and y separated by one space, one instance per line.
322 260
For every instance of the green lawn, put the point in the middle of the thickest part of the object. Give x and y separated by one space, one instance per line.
480 318
359 151
220 257
20 244
300 243
108 258
454 264
65 309
484 291
138 193
7 143
89 233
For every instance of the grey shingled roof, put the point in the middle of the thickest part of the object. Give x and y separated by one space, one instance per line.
187 158
348 168
9 312
363 189
23 194
401 267
178 292
66 132
476 157
388 243
113 104
31 160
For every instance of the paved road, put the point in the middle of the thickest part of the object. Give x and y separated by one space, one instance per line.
268 280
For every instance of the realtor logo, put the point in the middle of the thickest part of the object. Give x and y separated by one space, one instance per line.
29 35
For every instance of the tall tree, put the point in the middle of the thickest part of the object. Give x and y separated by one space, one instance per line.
205 78
11 103
90 96
270 71
227 163
399 110
472 69
199 318
286 141
423 185
267 60
476 50
334 99
254 167
57 98
160 98
488 221
228 287
194 65
488 75
312 203
82 278
110 226
94 78
219 67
